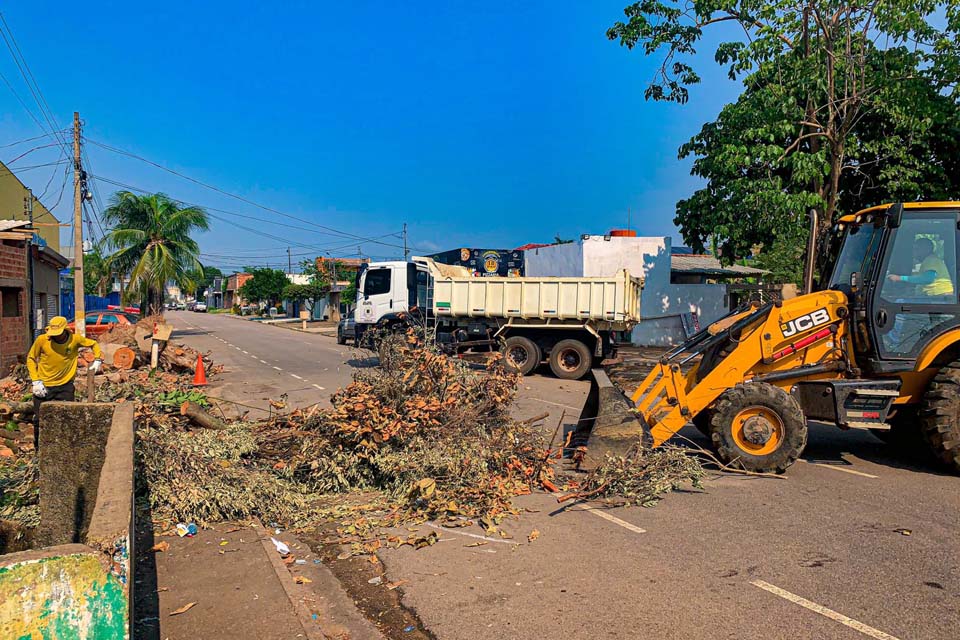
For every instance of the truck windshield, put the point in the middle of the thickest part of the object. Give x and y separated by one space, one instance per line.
856 254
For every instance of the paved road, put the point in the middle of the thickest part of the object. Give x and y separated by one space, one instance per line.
822 554
263 362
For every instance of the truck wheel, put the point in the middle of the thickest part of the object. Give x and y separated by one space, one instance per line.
940 415
570 360
521 354
759 427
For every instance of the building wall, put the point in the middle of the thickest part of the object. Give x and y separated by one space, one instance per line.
12 193
13 328
662 303
234 283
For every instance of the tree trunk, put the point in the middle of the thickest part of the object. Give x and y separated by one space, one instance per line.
199 417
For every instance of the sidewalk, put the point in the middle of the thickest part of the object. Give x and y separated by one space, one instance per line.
241 587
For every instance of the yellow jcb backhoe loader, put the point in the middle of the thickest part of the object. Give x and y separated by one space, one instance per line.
878 348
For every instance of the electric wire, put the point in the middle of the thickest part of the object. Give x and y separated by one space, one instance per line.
233 195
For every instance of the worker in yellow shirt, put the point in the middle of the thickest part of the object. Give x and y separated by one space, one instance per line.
52 363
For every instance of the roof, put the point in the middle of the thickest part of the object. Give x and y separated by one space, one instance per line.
851 217
7 225
708 265
530 246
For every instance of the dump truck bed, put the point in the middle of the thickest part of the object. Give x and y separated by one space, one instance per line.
613 301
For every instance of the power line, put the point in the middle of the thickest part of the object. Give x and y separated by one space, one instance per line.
232 195
13 144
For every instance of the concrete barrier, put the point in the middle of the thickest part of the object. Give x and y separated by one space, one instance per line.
69 590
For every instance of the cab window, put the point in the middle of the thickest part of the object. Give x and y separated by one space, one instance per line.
377 281
922 266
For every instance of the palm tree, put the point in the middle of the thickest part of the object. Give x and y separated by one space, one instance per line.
151 240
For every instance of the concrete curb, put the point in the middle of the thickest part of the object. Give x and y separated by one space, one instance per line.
338 616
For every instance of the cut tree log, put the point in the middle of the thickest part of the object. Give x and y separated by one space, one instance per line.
124 358
10 408
199 417
179 358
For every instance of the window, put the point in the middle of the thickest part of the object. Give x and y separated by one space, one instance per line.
91 318
422 289
377 281
11 302
922 267
108 318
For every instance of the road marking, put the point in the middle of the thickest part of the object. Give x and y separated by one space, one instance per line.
296 376
245 351
263 361
556 404
822 610
469 535
839 468
606 516
319 387
278 368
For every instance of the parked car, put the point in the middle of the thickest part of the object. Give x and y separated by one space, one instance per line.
200 307
99 322
347 330
181 306
191 305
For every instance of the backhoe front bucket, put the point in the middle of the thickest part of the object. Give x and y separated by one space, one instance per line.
608 423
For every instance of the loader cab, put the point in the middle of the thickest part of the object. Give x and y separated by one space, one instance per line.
898 266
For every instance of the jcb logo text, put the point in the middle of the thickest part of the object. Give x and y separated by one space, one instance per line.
815 319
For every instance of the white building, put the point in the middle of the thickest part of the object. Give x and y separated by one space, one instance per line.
665 307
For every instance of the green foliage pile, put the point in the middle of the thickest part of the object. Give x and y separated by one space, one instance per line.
644 478
19 491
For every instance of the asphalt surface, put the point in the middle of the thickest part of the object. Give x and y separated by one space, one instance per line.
859 540
265 362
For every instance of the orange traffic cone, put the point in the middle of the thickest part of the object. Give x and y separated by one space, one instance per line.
200 377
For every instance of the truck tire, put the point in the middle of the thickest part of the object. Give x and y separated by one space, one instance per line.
521 354
940 415
570 360
759 427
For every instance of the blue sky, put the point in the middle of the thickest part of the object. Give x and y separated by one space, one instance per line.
478 124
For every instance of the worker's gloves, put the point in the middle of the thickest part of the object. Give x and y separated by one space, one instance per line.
96 365
39 391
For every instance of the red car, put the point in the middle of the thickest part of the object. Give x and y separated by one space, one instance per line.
99 322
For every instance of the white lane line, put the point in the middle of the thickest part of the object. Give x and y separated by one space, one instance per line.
296 376
263 361
244 351
278 368
469 535
839 468
556 404
606 516
319 387
822 610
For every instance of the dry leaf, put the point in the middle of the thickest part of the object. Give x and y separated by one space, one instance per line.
160 546
302 580
183 609
533 535
399 583
477 544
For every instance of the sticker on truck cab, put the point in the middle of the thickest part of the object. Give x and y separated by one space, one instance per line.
804 322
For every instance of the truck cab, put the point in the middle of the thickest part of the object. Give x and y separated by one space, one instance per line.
388 292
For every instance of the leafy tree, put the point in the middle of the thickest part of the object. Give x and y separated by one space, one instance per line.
151 240
828 119
199 280
558 240
96 272
266 285
306 294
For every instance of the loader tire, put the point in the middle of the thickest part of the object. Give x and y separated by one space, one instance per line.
521 354
940 415
570 359
702 421
759 427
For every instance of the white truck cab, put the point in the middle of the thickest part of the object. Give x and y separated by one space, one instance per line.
387 290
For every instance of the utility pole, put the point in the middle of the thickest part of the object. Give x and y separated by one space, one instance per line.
289 263
406 252
28 207
79 310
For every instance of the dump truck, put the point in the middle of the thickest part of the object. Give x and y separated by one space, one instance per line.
572 323
877 348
